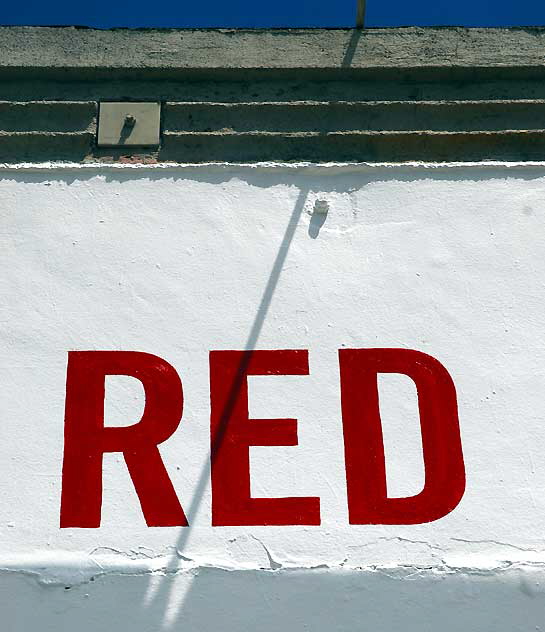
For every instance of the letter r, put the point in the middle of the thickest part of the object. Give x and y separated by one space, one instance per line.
86 439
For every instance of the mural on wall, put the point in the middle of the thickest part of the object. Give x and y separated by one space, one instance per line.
232 433
306 363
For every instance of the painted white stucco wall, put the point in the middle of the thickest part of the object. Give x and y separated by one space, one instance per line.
179 261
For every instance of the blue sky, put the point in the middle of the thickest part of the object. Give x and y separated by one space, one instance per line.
296 13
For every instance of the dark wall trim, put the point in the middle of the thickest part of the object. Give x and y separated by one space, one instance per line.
285 94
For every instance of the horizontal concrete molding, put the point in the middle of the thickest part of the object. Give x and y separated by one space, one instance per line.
382 600
44 146
395 94
355 146
271 89
352 116
69 47
47 116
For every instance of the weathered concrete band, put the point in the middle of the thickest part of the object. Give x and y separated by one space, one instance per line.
286 94
45 47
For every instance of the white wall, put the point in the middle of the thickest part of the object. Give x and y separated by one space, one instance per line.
180 261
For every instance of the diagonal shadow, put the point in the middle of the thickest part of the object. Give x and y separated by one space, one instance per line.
351 48
162 597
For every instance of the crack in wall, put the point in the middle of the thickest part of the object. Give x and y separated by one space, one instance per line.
63 569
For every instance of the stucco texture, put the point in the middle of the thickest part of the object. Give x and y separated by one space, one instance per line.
178 261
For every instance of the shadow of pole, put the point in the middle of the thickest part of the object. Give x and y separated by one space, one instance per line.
165 595
351 48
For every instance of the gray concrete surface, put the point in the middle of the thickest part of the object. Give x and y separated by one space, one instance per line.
284 94
69 47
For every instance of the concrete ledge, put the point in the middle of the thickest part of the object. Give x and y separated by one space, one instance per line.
354 146
64 48
388 95
38 146
382 600
47 116
331 116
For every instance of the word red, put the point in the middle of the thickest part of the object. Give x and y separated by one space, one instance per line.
232 432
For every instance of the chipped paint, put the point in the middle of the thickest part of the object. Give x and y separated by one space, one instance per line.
180 260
